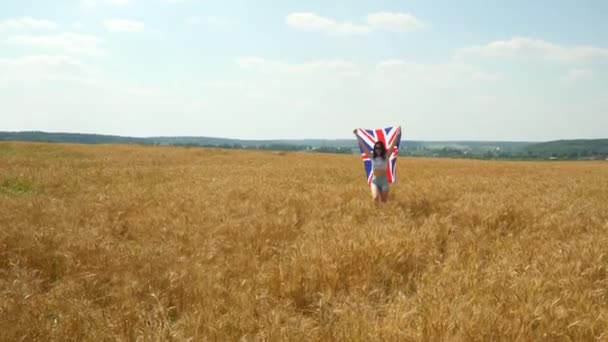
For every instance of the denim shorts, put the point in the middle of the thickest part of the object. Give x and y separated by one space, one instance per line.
381 183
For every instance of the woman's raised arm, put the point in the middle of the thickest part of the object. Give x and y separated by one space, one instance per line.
392 147
363 147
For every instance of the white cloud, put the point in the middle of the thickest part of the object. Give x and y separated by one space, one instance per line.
210 20
333 66
217 21
579 74
380 21
313 22
124 25
27 23
223 84
43 67
485 76
410 67
397 22
78 25
447 74
251 61
112 3
451 73
325 67
525 47
68 42
392 64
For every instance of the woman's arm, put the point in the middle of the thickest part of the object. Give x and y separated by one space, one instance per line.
392 147
363 147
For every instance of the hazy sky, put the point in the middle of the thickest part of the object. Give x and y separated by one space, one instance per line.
473 69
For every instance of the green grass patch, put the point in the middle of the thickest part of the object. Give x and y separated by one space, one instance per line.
15 186
6 149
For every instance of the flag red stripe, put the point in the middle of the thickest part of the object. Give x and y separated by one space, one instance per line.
364 132
390 141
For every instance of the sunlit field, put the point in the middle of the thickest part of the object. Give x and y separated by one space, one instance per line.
135 243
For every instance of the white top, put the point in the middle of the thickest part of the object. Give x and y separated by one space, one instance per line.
379 163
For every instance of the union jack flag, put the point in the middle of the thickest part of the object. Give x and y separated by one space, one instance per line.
386 135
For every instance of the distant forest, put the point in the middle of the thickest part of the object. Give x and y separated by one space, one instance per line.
553 150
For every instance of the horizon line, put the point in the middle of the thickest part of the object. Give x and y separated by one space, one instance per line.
287 139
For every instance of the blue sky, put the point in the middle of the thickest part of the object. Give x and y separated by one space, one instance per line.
476 70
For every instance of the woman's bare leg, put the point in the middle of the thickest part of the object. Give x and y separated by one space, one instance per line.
384 196
375 193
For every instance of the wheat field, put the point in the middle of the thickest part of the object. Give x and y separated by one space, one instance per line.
138 243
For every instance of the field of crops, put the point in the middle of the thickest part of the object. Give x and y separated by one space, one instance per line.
136 243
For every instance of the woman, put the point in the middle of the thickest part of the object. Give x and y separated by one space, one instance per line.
379 157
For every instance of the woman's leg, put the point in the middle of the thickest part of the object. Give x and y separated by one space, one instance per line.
375 192
384 195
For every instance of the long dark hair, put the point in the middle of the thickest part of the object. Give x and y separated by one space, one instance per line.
381 154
